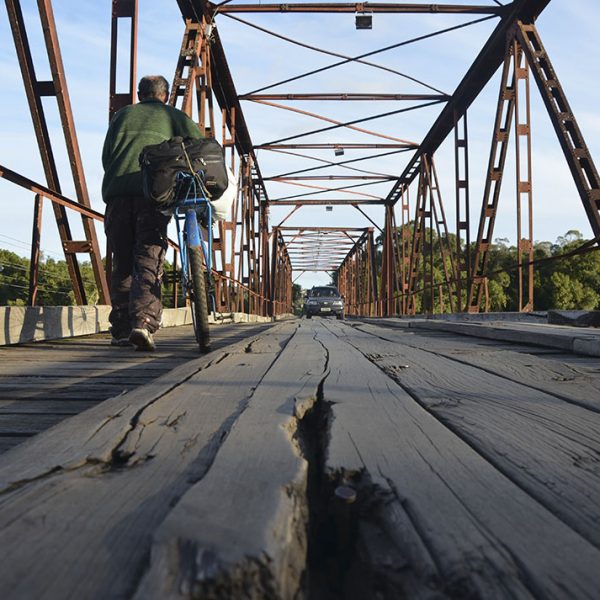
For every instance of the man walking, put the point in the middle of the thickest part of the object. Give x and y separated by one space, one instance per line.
136 230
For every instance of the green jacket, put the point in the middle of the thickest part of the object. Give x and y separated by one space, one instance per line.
132 128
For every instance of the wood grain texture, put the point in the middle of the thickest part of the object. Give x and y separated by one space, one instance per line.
475 468
549 447
580 340
559 376
58 407
77 521
484 536
241 531
85 371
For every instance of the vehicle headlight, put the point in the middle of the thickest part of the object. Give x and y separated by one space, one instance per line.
338 303
312 302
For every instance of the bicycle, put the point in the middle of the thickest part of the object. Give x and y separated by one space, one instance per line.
195 252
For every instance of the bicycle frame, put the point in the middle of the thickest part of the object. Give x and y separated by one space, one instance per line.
189 232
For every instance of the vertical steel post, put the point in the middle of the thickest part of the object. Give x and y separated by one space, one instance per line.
68 124
34 261
373 301
265 265
121 10
461 164
446 251
493 185
388 266
523 179
273 286
417 259
405 245
57 88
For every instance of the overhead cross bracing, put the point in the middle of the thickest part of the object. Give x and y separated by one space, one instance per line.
320 248
358 183
390 186
326 125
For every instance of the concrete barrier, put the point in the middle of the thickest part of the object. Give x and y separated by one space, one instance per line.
21 324
565 338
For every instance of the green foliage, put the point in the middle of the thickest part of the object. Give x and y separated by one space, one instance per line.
562 283
498 289
14 279
569 283
297 298
54 282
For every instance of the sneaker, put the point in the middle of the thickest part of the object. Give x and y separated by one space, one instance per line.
142 339
120 341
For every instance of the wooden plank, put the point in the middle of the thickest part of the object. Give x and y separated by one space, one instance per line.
579 340
541 372
97 428
547 446
27 424
47 384
23 368
6 443
57 407
459 524
245 522
102 481
90 370
96 392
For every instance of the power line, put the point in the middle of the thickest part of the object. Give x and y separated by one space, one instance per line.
25 245
24 287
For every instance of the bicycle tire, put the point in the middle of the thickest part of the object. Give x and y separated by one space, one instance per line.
198 298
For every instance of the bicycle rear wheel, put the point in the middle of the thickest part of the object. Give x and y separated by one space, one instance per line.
198 298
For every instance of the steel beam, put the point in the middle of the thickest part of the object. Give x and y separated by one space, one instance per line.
122 10
563 120
57 88
35 249
478 75
346 96
463 226
369 7
333 146
524 184
493 185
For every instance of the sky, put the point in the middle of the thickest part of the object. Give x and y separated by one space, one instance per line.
257 60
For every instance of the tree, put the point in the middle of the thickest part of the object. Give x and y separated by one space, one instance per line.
297 298
569 283
14 279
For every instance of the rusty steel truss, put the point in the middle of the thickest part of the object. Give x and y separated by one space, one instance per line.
393 265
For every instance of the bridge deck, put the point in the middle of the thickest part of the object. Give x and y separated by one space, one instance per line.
42 383
346 460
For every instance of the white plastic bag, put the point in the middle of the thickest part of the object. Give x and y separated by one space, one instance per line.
222 205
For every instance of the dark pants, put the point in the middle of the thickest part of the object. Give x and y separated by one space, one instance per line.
137 235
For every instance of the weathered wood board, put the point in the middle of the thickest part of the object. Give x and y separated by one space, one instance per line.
441 508
548 446
320 460
63 377
56 407
242 529
77 522
581 340
555 376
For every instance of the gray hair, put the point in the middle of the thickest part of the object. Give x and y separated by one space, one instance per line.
153 86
